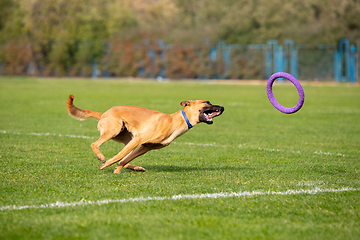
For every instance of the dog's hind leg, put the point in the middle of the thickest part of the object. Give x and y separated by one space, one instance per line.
131 146
124 163
109 128
131 167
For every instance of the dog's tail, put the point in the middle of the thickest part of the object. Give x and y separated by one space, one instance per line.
78 113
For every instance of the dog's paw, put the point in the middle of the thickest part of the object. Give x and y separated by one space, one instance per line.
118 169
101 157
103 166
139 169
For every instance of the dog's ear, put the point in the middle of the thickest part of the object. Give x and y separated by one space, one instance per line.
185 103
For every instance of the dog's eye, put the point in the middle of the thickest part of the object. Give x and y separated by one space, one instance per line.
207 102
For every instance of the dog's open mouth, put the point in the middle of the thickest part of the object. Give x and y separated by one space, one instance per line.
208 113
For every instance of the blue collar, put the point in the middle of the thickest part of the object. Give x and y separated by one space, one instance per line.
186 119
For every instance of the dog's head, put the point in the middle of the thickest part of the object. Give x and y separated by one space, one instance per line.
201 111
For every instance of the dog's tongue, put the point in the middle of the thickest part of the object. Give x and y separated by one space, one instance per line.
208 117
212 115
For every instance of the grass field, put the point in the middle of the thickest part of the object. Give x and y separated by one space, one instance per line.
255 173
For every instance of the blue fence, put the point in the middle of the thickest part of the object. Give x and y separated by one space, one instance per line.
156 59
260 61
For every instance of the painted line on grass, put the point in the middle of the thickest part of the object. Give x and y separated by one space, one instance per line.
259 148
185 143
47 134
244 194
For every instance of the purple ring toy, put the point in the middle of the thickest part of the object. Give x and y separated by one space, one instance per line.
272 99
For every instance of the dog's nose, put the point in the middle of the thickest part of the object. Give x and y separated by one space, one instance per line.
222 108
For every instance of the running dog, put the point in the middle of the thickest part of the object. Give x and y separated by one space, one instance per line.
142 129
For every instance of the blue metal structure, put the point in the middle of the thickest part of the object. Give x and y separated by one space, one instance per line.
225 61
352 64
273 58
94 73
277 58
290 60
162 47
342 61
345 62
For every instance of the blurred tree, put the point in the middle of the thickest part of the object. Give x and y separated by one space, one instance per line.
67 35
5 12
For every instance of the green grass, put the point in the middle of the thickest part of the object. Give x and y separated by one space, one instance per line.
251 147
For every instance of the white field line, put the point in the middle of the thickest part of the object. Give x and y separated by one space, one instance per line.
84 202
259 148
186 143
47 134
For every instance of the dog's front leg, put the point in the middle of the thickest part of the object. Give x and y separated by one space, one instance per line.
109 128
123 153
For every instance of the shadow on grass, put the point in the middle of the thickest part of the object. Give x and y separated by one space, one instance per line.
172 168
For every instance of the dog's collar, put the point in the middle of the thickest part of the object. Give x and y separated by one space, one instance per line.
186 119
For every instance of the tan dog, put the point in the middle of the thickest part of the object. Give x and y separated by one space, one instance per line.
142 129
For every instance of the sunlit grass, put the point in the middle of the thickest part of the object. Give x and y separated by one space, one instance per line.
251 147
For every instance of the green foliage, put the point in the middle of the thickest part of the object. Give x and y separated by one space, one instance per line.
61 34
